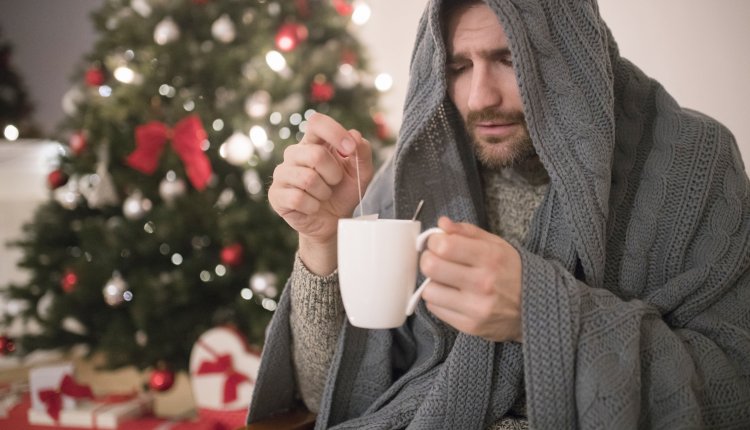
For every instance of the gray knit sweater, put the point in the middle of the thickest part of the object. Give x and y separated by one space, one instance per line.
317 311
636 267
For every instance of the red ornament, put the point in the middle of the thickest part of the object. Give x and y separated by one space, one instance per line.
69 281
7 345
77 142
290 35
381 128
232 255
56 179
321 91
161 379
95 76
343 7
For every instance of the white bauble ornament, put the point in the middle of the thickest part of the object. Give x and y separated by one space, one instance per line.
166 31
44 305
171 187
73 325
114 290
142 7
258 104
346 77
136 206
71 99
238 149
68 195
223 29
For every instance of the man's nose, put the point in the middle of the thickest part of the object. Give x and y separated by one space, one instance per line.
485 89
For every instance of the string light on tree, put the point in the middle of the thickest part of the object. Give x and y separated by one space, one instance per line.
361 13
11 132
114 290
136 206
237 150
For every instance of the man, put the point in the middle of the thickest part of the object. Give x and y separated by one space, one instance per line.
594 271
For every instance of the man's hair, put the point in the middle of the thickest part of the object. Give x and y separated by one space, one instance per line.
447 9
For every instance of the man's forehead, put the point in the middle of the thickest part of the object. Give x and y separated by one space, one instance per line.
474 25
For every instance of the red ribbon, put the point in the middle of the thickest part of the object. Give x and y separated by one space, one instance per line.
223 364
68 387
187 136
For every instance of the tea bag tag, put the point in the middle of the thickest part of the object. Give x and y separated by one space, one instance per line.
362 215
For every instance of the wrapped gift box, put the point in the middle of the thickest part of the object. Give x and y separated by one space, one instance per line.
222 371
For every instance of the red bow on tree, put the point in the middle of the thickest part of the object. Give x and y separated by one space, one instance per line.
68 387
187 136
223 364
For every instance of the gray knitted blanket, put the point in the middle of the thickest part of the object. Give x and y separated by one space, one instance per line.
636 288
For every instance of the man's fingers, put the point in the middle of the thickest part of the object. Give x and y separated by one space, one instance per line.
324 130
287 200
465 229
317 158
305 178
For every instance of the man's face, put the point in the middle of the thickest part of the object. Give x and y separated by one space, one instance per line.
482 84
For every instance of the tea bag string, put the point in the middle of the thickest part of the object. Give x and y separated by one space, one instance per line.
359 184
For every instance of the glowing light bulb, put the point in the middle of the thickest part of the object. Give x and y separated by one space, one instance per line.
275 61
361 13
383 82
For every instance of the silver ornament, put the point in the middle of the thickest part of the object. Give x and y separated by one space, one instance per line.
166 31
258 104
223 29
102 188
171 187
68 195
114 290
136 206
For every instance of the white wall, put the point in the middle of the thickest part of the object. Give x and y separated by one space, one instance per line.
697 49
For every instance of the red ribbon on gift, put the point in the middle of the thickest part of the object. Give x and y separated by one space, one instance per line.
223 364
68 387
187 136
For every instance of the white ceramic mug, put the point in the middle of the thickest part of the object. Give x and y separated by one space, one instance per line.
377 263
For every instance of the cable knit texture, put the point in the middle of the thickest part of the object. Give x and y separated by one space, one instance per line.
636 288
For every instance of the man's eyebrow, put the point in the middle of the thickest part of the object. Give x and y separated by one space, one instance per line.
501 53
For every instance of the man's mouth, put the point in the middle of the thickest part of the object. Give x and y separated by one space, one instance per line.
494 129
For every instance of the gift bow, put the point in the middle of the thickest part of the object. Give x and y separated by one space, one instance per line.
187 136
223 364
68 387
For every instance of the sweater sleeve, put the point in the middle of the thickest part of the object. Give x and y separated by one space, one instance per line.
315 319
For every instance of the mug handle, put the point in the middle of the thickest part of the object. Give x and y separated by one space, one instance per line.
421 241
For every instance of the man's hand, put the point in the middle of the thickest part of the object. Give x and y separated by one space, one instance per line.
316 184
476 281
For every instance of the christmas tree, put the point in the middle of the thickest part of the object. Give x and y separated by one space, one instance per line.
158 227
15 107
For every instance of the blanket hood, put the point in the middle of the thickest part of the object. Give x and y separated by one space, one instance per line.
562 54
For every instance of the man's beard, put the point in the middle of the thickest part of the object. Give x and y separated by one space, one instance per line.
500 152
